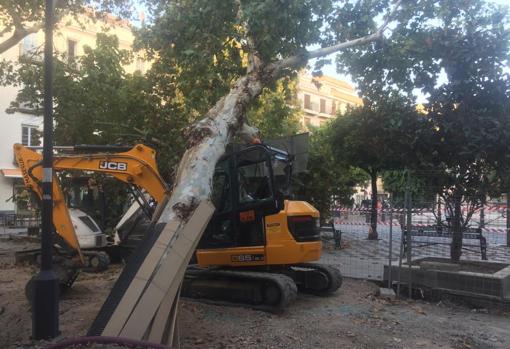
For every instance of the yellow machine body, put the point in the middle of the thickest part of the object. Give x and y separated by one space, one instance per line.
280 246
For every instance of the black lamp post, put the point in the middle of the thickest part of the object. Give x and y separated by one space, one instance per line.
46 285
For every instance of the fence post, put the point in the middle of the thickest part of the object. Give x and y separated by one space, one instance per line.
390 253
439 213
508 218
409 236
482 216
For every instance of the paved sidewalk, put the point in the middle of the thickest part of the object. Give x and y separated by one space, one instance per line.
365 259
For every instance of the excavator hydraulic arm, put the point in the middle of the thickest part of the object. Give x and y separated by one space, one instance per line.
136 166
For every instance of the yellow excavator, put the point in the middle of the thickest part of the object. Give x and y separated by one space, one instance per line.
81 241
258 249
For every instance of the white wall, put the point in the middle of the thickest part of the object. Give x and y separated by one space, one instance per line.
10 133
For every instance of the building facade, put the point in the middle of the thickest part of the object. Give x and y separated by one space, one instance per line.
321 98
70 38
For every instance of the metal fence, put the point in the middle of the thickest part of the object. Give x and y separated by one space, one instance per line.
415 237
13 220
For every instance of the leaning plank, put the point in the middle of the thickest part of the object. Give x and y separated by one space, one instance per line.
165 277
165 312
139 282
170 334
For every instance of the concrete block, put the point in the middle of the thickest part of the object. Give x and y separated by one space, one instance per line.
387 293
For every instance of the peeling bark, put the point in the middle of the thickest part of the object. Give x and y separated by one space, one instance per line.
209 138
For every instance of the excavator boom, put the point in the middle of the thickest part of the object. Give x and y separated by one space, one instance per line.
136 166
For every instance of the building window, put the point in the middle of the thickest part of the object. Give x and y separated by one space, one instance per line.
308 103
308 122
71 51
333 107
30 136
140 65
28 46
323 105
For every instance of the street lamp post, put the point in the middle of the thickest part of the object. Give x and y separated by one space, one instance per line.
46 286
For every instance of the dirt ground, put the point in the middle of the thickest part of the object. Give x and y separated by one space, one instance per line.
353 318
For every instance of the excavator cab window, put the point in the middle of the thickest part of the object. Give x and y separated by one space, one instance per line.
243 193
221 196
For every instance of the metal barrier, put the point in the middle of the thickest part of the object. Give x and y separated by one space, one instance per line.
19 221
409 238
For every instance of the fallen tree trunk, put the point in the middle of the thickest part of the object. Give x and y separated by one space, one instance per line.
207 141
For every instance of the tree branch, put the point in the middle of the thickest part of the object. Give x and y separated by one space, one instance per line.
20 31
299 59
254 58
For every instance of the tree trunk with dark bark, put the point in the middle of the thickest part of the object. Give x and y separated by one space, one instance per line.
456 246
372 234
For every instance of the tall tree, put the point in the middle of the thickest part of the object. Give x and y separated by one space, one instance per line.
455 55
376 137
202 39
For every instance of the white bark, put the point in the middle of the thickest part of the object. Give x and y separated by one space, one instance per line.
208 140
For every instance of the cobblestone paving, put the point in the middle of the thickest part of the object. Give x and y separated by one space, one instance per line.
365 259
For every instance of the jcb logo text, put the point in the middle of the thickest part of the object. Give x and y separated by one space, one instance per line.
113 165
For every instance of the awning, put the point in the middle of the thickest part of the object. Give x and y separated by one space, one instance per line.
11 172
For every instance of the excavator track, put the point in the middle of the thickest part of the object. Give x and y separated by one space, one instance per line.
316 278
95 261
271 292
65 273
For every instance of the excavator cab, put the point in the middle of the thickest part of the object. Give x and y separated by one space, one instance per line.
248 185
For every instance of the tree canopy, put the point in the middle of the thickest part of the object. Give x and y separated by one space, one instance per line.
456 57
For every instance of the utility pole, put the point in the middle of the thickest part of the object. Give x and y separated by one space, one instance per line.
45 291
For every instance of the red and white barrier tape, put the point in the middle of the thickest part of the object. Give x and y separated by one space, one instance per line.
340 222
501 209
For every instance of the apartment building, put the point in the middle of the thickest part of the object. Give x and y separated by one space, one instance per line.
323 97
70 38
